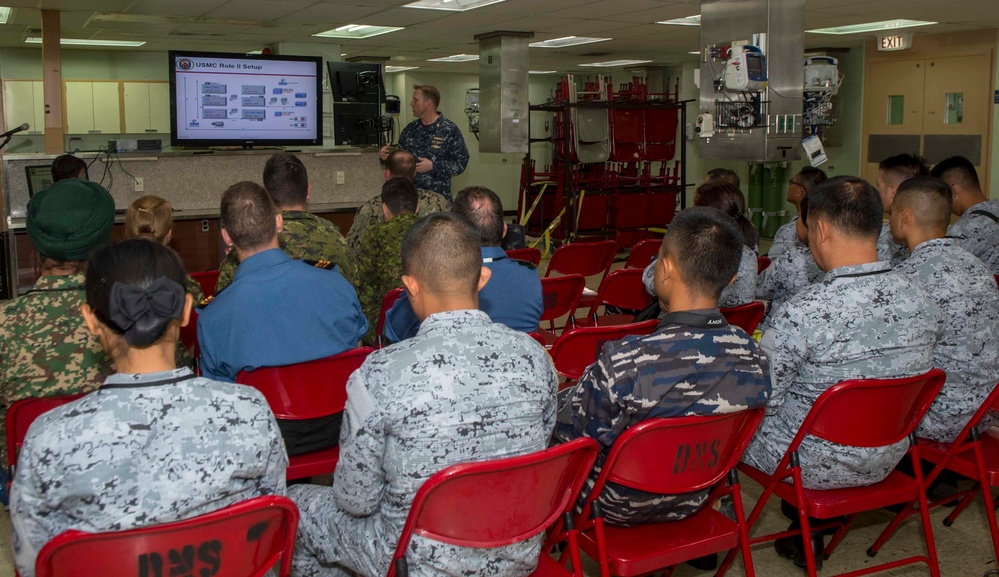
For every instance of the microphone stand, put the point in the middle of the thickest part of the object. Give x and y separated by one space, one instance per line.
5 142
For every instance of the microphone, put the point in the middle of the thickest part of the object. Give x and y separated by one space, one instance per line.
14 131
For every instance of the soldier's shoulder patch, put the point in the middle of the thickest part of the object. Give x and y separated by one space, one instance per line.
325 264
525 263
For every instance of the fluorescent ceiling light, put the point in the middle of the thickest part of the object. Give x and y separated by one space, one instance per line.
390 69
255 52
695 52
567 41
88 42
883 26
694 20
456 58
5 14
612 63
542 71
451 5
357 31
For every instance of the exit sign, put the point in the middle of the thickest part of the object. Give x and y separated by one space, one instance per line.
895 42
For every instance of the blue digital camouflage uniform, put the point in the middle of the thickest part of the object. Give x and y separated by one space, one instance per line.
741 291
464 389
370 214
888 250
136 453
305 237
442 143
379 266
695 363
968 348
45 347
977 232
788 274
785 237
862 321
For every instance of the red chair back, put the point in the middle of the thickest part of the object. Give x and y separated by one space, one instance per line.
207 279
560 295
306 390
678 455
22 413
531 255
387 302
578 348
583 258
623 289
642 253
997 281
500 502
747 316
762 262
871 412
241 540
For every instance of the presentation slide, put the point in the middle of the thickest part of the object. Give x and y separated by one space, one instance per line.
229 98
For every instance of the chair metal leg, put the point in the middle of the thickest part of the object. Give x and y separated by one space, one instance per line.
924 512
983 482
747 556
890 529
806 531
838 536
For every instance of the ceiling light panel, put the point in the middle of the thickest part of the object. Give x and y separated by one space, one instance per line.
391 69
357 31
567 41
882 26
456 58
542 71
88 42
451 5
5 14
694 20
614 63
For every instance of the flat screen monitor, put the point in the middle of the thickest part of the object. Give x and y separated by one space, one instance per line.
219 99
356 82
355 128
40 177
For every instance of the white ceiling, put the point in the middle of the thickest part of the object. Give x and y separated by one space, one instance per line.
245 25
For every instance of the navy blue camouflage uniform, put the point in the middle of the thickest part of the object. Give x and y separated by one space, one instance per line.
442 143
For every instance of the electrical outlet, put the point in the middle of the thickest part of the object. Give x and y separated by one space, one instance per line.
339 177
140 184
204 225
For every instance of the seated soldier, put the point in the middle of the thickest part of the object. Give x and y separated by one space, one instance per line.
964 291
379 269
892 172
646 377
65 223
68 166
278 311
862 321
790 271
464 389
305 236
398 164
977 231
512 297
155 444
797 189
152 217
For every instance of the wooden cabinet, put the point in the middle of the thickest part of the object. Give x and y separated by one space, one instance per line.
147 107
24 101
92 107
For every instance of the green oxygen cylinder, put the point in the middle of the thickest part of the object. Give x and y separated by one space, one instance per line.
773 199
755 204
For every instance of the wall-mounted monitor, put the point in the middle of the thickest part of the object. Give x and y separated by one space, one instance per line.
356 82
219 99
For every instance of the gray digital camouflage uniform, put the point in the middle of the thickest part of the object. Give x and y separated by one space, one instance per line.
45 347
305 237
442 143
968 348
785 237
863 321
788 274
370 214
695 363
978 233
463 389
740 292
136 453
888 250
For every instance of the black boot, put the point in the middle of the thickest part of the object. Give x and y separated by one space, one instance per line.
791 547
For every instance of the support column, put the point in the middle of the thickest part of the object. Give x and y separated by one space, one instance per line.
503 100
52 81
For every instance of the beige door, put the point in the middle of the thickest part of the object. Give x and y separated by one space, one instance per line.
894 111
956 110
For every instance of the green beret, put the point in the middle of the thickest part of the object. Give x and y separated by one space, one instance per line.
71 219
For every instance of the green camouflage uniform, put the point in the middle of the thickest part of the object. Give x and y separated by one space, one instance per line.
45 347
305 237
193 288
379 266
370 214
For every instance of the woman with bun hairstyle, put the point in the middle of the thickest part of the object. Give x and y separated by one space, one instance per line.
155 443
727 198
152 217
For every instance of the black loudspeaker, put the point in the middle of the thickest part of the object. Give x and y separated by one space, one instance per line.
514 237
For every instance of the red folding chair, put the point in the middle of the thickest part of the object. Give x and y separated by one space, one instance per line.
858 413
387 302
671 457
973 454
531 255
583 258
21 414
207 279
623 289
242 540
747 316
499 502
560 296
997 280
642 253
578 348
308 391
762 263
